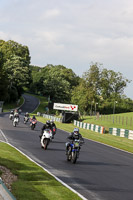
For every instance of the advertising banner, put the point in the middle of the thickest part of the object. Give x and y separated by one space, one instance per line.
68 107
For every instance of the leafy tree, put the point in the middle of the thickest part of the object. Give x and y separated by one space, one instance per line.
14 61
112 84
54 81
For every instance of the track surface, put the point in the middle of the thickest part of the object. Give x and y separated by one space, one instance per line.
101 172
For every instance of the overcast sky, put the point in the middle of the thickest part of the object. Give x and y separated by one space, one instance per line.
73 33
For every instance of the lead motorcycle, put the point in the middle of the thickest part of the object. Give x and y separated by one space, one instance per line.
73 150
46 138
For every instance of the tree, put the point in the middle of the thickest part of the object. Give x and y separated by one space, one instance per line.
112 84
14 61
54 81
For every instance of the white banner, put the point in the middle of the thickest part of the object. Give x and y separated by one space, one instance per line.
69 107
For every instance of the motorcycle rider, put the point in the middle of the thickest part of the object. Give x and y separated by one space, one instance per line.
16 114
33 119
45 126
11 114
74 135
53 127
26 116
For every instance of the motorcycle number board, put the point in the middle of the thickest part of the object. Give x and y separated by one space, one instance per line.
69 107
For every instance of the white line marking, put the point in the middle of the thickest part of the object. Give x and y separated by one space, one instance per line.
4 136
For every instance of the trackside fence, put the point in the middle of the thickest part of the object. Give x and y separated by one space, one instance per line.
92 127
121 132
57 119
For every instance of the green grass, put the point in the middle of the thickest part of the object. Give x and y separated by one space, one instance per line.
123 120
33 182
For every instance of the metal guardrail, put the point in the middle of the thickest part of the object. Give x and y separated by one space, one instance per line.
5 193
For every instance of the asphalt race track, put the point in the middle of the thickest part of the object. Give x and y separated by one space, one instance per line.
101 172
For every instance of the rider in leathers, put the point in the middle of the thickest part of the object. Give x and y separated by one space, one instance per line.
74 135
46 126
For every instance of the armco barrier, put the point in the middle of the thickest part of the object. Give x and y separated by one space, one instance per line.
92 127
52 117
121 132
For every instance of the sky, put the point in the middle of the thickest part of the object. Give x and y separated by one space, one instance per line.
73 33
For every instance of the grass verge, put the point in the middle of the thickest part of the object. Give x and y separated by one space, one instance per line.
33 182
123 120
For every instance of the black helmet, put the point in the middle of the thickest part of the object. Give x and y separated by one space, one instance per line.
33 117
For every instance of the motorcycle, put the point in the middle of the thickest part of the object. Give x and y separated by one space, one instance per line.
73 151
46 138
15 121
26 119
33 124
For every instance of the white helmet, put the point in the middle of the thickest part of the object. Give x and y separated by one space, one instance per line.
76 131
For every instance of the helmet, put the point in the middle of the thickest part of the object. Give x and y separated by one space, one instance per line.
51 121
76 131
33 117
27 113
48 122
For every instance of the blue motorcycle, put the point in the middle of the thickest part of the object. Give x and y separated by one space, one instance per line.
73 151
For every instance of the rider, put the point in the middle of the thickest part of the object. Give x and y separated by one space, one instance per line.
26 115
16 114
33 119
74 135
45 126
11 114
53 127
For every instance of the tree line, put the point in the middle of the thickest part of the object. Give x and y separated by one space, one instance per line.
98 87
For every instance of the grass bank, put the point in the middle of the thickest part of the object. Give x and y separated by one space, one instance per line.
123 120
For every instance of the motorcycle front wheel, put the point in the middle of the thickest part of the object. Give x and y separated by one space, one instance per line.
45 142
32 127
69 154
74 157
